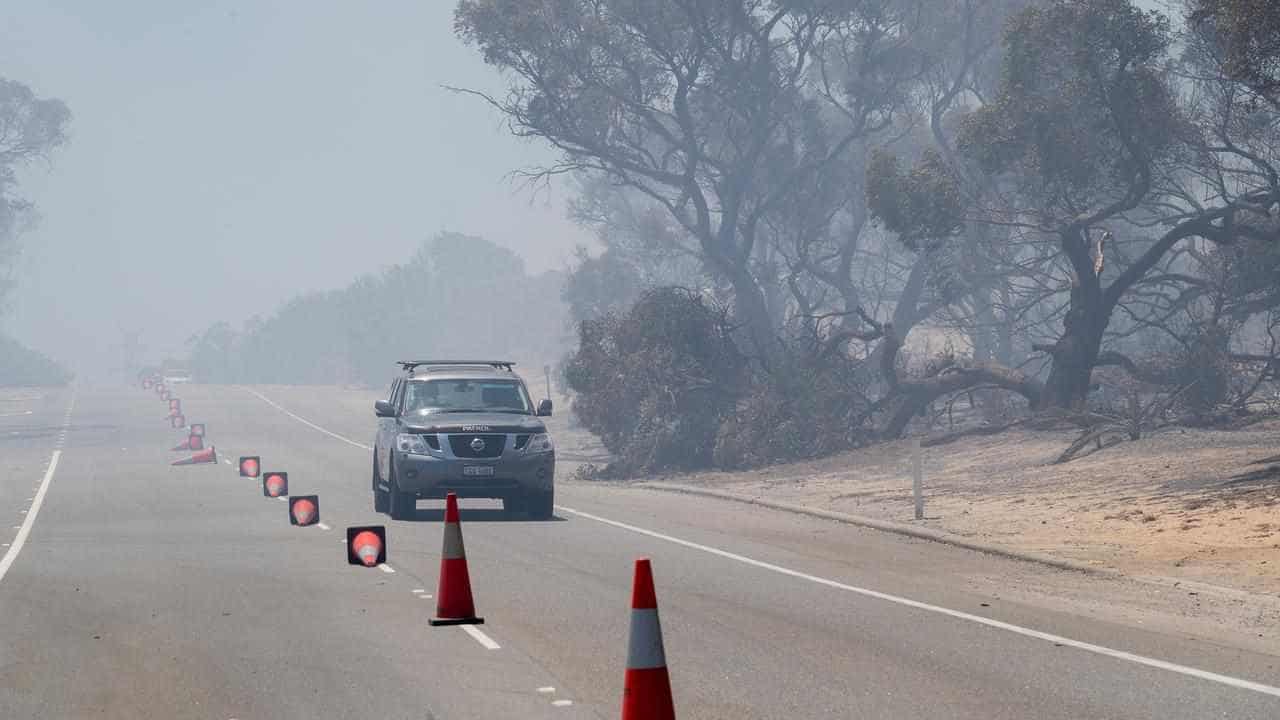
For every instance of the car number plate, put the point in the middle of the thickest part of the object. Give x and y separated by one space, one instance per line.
478 470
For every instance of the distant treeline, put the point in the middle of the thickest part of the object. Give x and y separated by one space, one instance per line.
457 296
20 365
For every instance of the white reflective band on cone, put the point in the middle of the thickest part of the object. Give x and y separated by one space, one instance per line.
453 549
644 651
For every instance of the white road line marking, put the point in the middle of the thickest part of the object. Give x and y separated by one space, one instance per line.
386 568
480 637
322 526
418 590
425 596
16 414
547 689
1235 682
282 498
225 460
1010 627
25 528
307 422
562 703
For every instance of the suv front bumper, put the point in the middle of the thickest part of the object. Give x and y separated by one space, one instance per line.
428 476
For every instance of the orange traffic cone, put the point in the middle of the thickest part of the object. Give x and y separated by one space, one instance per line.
454 605
304 509
250 466
367 545
208 455
275 484
646 693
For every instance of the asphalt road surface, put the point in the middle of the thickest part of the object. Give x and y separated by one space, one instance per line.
133 589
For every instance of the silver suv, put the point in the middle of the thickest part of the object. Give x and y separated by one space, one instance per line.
466 427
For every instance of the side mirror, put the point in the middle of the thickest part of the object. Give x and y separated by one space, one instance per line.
384 409
544 408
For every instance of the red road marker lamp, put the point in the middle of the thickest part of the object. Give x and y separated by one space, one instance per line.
195 442
367 545
197 429
304 510
175 406
275 484
147 382
250 466
164 394
178 421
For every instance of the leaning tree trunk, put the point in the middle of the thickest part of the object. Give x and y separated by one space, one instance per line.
909 397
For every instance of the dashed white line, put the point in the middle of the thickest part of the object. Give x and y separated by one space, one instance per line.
418 590
1235 682
307 422
25 528
547 689
907 602
322 526
562 703
282 498
386 568
480 637
425 596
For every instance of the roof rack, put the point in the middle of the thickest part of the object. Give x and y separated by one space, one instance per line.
410 365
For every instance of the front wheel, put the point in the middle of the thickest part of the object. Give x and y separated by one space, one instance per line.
381 498
401 505
540 504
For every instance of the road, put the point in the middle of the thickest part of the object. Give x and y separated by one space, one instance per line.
143 590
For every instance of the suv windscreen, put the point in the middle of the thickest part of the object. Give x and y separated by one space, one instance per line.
440 396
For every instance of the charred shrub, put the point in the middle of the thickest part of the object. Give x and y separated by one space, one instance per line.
656 382
807 404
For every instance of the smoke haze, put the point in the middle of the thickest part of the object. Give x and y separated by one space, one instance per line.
226 156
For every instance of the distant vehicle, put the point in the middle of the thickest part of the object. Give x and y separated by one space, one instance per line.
467 427
173 377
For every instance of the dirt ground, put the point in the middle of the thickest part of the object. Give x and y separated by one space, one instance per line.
1182 504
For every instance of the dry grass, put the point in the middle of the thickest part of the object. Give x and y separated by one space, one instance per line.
1182 503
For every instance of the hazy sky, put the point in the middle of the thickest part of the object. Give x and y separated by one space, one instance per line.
227 155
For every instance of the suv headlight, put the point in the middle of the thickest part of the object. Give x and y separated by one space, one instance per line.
538 444
412 443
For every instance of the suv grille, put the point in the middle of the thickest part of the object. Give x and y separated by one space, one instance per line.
493 446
